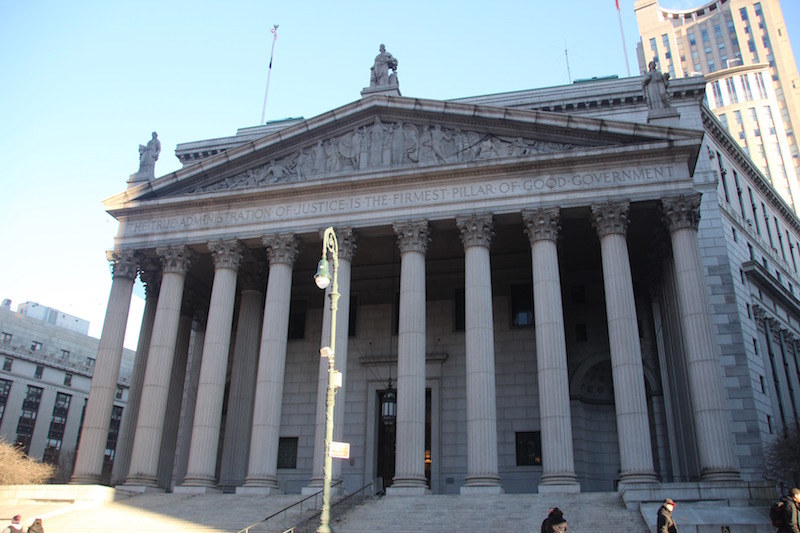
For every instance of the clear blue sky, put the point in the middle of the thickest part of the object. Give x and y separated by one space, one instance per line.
84 83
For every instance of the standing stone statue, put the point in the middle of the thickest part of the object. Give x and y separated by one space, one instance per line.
380 77
654 86
148 155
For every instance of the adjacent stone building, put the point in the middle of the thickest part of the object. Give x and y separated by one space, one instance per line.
560 286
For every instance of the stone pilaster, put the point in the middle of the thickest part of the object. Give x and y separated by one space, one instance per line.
630 397
282 250
149 430
558 463
682 215
409 478
227 255
482 469
89 461
348 240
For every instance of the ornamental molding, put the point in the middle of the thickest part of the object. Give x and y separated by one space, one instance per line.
542 224
175 259
681 212
412 236
226 253
611 218
380 146
124 263
476 230
282 248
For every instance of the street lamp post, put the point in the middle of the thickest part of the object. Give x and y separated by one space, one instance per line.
323 279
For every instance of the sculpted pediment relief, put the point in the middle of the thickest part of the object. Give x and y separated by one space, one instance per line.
383 146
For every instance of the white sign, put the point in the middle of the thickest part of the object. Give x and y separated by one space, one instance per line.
339 450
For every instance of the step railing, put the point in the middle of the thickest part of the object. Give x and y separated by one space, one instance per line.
338 508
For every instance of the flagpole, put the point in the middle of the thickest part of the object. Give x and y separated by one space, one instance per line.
622 34
274 32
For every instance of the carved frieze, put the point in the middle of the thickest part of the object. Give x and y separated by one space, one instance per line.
379 145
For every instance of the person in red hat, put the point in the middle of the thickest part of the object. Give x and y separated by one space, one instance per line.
665 523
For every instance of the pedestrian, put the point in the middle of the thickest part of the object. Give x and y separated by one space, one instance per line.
665 523
555 522
36 527
546 518
15 526
791 513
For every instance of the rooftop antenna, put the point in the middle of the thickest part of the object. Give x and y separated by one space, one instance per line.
274 32
622 34
569 75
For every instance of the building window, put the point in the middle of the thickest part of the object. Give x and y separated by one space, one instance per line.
36 346
529 448
7 338
459 310
287 452
90 362
27 419
58 423
731 90
297 320
5 390
38 372
7 363
64 354
762 89
748 94
521 305
118 394
68 379
717 90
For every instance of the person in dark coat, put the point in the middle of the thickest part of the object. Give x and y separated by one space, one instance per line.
546 518
665 523
36 527
555 522
791 513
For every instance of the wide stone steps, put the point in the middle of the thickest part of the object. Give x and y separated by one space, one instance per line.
595 512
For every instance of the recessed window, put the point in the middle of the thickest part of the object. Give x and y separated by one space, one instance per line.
7 363
64 354
118 394
36 346
521 305
287 452
7 338
90 362
39 371
68 379
529 448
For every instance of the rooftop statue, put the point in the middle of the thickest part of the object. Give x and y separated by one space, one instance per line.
379 76
148 155
654 86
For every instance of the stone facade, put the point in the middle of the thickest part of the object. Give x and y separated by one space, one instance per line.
562 289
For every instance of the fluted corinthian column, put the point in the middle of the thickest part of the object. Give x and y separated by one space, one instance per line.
203 449
409 478
347 240
682 215
149 429
630 397
89 461
236 445
151 278
262 469
558 464
482 471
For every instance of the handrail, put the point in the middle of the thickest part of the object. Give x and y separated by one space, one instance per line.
285 509
266 520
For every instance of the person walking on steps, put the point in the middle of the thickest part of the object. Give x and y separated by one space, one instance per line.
665 523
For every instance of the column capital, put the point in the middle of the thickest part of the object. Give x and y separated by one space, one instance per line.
124 263
542 224
226 253
150 274
251 273
176 258
682 211
347 239
611 218
412 236
281 248
476 230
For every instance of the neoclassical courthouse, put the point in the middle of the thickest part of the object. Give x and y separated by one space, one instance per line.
578 288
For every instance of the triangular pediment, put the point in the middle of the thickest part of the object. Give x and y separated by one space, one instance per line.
385 135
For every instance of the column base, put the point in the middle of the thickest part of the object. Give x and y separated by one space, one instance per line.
719 475
85 479
408 491
258 491
194 489
638 477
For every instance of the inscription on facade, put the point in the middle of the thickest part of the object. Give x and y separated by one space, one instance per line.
495 189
